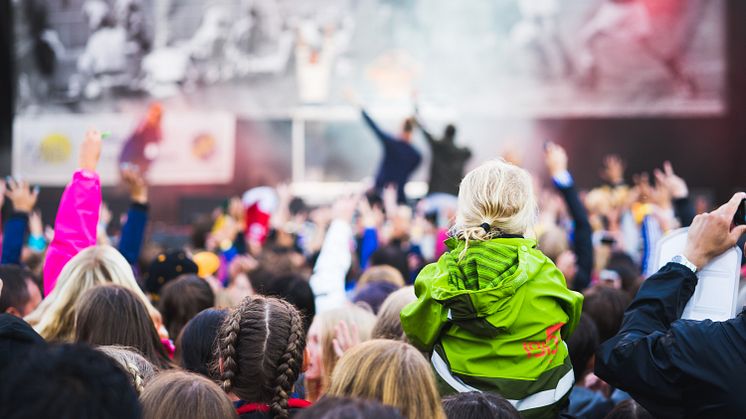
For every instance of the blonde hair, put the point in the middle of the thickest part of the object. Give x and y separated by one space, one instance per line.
139 368
178 394
496 194
381 273
54 319
392 372
388 325
328 320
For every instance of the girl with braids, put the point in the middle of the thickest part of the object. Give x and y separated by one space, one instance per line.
493 312
259 354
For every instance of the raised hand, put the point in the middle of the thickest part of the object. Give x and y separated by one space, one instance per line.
710 233
613 170
22 195
90 150
345 337
135 182
344 208
675 185
555 158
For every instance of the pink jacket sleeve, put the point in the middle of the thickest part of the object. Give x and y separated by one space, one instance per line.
75 226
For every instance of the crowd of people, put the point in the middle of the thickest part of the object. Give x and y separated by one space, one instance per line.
492 297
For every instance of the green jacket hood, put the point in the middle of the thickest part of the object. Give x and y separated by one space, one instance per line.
486 277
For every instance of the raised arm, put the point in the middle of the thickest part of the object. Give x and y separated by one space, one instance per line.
335 258
133 230
23 198
77 215
380 134
642 357
556 160
682 206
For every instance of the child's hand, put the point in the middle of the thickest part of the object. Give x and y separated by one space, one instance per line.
90 150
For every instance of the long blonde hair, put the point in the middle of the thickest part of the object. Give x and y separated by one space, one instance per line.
392 372
496 195
54 319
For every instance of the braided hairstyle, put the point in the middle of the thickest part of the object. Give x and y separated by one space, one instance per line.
260 352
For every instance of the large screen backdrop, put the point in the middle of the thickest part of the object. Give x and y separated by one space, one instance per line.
171 79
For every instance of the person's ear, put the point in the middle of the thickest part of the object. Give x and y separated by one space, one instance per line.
13 311
306 360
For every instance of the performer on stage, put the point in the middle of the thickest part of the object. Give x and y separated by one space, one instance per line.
448 160
400 157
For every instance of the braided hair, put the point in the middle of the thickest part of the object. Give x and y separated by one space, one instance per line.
260 352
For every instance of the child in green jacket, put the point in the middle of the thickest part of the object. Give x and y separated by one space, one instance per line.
494 311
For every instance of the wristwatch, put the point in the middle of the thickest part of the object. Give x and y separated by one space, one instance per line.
682 260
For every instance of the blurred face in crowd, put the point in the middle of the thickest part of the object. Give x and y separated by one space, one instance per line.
314 350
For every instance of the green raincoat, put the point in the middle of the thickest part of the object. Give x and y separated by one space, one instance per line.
496 321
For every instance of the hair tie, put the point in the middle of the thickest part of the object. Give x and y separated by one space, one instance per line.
486 227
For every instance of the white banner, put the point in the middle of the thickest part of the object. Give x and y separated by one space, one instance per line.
189 148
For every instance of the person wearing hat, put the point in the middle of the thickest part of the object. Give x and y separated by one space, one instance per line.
166 267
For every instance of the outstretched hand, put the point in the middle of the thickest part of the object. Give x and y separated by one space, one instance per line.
22 195
90 150
555 158
135 182
345 337
675 185
711 234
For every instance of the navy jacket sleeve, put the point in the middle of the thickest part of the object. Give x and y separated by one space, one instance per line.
683 209
582 241
640 359
133 232
380 134
13 238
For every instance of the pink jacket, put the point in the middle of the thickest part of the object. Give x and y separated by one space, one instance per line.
75 226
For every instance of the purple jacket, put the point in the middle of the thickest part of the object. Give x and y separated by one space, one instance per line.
75 225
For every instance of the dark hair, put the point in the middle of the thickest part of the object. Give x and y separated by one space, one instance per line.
629 272
261 347
348 408
408 125
114 315
67 381
629 409
450 131
296 290
15 287
181 299
582 344
605 305
196 345
477 405
393 256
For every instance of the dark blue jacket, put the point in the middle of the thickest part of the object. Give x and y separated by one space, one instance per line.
400 159
676 368
13 238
